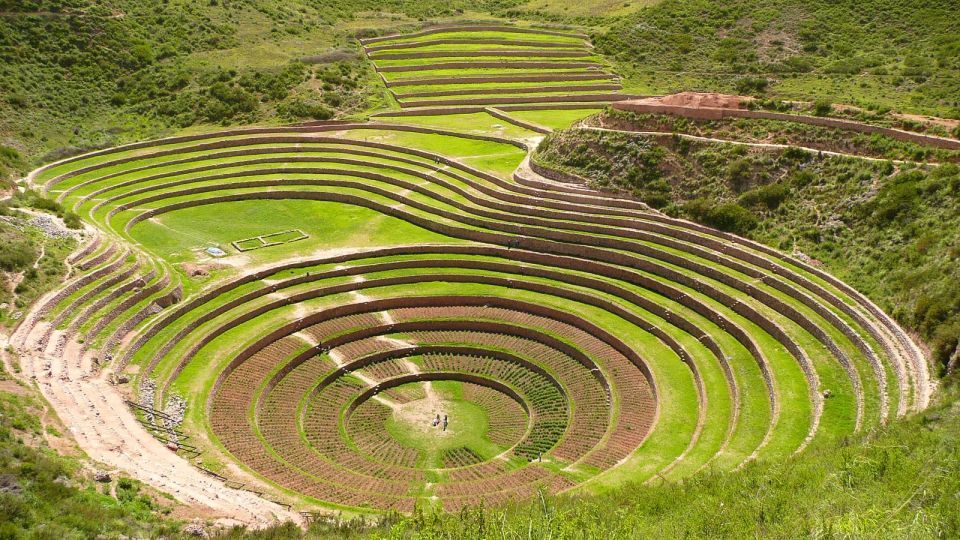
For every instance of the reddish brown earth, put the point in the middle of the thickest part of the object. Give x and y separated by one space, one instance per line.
699 100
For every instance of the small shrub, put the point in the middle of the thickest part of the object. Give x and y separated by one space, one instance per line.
72 220
738 174
16 253
752 85
771 196
298 110
899 198
822 108
730 217
801 178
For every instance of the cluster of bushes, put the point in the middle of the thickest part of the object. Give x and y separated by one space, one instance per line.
10 163
21 247
32 277
17 251
730 217
341 88
298 109
32 199
221 96
609 161
918 208
770 196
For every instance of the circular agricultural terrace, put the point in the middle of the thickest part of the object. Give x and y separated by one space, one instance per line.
379 277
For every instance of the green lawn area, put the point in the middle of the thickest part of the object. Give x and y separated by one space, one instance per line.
428 62
181 235
495 99
555 119
479 123
468 426
488 156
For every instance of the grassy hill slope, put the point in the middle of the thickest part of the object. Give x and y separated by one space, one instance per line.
875 53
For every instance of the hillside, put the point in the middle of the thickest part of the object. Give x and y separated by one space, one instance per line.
395 269
877 54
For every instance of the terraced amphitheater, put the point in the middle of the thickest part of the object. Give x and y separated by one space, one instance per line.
382 315
449 70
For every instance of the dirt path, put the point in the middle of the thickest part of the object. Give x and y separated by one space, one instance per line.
96 416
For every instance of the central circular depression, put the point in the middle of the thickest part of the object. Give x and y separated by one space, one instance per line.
481 423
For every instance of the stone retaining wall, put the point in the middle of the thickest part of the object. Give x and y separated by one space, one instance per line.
512 90
521 64
549 246
89 248
474 28
525 77
138 283
82 299
307 127
98 258
563 98
556 174
479 108
564 236
154 307
409 302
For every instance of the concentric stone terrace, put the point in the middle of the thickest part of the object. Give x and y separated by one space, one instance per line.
571 339
460 67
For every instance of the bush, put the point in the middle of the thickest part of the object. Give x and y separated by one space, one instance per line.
822 108
733 218
730 217
72 220
752 85
771 196
299 110
898 198
796 154
16 253
801 178
738 173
